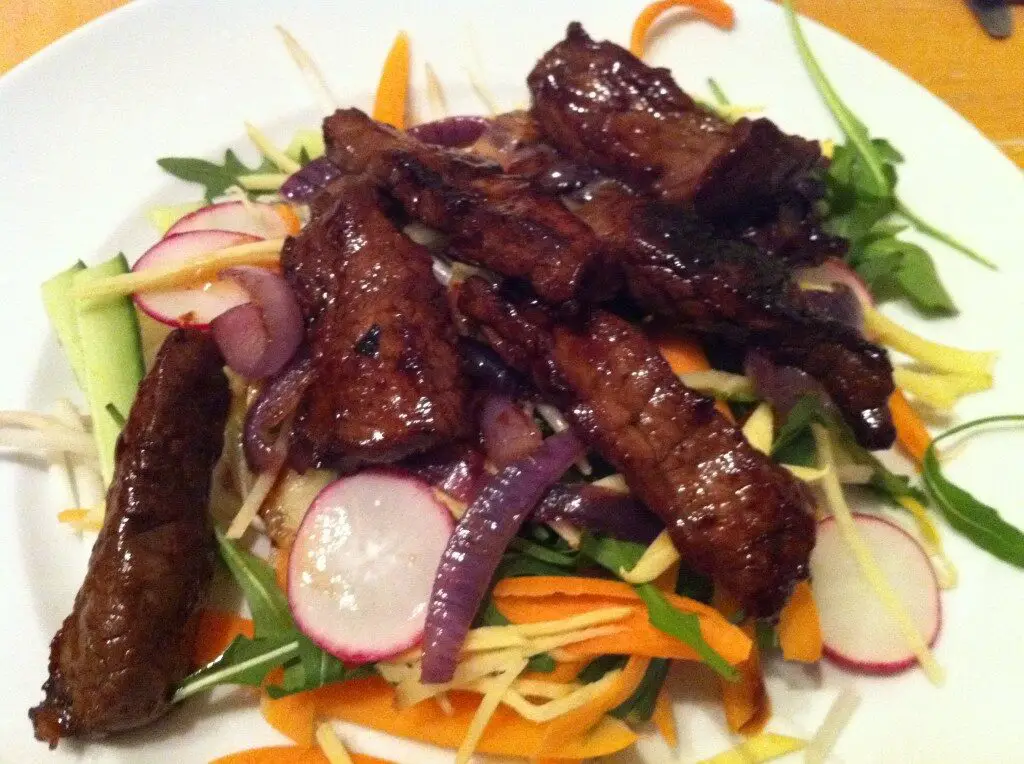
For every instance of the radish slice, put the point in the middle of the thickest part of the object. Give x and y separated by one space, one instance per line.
200 305
265 221
858 632
362 564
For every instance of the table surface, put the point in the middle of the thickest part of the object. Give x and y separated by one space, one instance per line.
937 42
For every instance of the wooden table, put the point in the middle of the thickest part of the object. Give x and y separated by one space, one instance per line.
937 42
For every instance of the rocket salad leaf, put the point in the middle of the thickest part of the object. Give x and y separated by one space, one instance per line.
215 178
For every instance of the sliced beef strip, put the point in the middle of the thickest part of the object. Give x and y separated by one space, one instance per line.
128 641
499 221
605 108
678 268
386 380
733 514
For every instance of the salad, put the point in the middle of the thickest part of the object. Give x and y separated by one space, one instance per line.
529 407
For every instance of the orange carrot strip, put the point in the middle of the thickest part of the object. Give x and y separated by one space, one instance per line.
577 724
72 515
289 754
911 434
216 630
799 627
717 12
685 355
389 105
371 702
288 217
563 673
545 598
746 702
664 719
281 555
294 716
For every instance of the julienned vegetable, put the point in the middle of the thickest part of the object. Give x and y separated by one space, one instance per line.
362 563
112 360
60 309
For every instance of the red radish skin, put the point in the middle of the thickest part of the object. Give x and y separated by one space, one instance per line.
253 218
198 306
835 271
858 632
362 564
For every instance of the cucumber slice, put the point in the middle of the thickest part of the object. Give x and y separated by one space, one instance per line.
60 308
112 356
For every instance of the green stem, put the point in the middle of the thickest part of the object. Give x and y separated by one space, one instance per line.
852 129
717 92
929 230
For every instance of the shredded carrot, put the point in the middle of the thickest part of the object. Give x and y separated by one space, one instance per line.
684 356
294 716
288 217
544 598
216 630
281 555
664 719
390 104
799 627
746 702
371 703
289 754
911 434
717 12
577 724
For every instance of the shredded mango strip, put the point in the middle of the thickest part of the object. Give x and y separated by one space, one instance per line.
940 390
945 570
938 356
763 747
263 181
911 433
659 557
370 702
717 12
759 429
541 598
390 104
799 626
331 744
284 162
486 710
835 721
190 272
868 567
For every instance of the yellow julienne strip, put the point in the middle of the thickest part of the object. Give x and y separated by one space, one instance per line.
540 688
757 749
545 712
868 567
190 272
759 429
940 390
656 559
835 721
945 570
262 181
331 745
284 162
934 354
488 705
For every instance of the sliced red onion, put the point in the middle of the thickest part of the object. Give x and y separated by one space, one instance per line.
276 403
480 538
304 184
485 367
838 303
598 510
258 338
451 132
509 434
835 271
456 470
781 386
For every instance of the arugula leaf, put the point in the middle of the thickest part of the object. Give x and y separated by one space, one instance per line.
974 519
639 707
717 92
615 555
543 553
600 666
270 613
313 668
215 178
246 661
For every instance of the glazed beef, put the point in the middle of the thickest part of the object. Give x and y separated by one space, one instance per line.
605 108
678 268
733 514
128 641
492 219
385 380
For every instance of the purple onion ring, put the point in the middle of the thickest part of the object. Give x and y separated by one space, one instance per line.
275 404
451 132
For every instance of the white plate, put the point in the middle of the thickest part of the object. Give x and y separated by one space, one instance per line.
83 122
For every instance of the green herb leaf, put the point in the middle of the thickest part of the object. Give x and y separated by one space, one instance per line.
215 178
600 666
246 661
543 553
639 707
717 92
270 613
974 519
313 668
615 555
115 414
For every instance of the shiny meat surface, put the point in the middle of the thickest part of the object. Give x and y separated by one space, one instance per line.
492 219
128 641
386 380
678 268
732 513
605 108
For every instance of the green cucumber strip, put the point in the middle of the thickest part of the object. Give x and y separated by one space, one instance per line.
112 355
60 309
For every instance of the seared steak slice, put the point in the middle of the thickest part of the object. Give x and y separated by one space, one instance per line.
385 377
733 514
605 108
128 641
678 268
